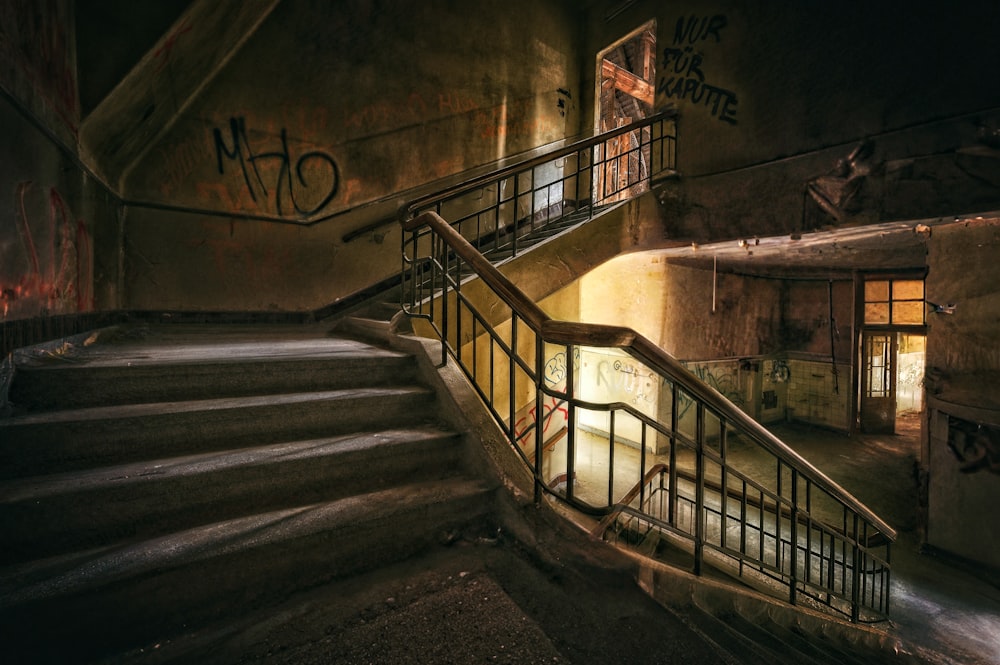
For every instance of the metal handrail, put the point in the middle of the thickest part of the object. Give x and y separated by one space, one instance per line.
803 540
588 334
497 335
503 211
411 208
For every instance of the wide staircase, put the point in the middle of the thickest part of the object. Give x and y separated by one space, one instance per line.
161 482
155 480
159 478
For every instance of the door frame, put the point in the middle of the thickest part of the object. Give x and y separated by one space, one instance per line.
640 86
884 420
861 328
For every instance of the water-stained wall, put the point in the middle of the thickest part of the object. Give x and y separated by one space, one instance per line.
322 122
797 117
962 446
58 226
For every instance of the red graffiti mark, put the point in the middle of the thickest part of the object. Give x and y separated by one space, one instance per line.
67 276
165 51
549 410
25 229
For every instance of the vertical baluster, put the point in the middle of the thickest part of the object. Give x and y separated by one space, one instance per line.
777 521
512 381
888 578
571 425
794 538
537 379
855 578
672 499
699 497
611 464
724 497
809 530
743 524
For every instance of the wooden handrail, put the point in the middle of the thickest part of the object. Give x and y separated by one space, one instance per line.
585 334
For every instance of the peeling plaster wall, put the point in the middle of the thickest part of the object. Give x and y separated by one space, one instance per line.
963 384
754 318
323 110
774 98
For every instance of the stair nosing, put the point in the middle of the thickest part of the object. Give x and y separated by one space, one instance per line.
142 410
148 471
190 546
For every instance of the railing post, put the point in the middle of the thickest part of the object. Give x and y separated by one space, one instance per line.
794 538
672 490
724 473
887 585
699 500
539 405
856 576
570 425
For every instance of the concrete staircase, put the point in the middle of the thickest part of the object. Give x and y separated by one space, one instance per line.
166 477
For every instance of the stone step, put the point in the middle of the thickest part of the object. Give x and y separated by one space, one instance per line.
113 374
93 437
76 608
47 515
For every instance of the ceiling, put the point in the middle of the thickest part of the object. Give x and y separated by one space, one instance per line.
893 246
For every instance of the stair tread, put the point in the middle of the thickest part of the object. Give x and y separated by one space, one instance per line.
219 352
39 487
80 571
125 411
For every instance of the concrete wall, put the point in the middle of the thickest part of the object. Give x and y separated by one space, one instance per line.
774 98
370 101
59 235
962 454
756 323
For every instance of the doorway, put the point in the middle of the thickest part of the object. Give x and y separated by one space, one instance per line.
626 72
892 379
891 352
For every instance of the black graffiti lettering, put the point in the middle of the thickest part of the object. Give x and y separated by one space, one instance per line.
238 131
286 186
728 111
692 29
685 62
721 103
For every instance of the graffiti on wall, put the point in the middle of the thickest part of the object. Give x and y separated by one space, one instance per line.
975 446
55 250
555 369
272 178
638 382
682 73
725 379
554 412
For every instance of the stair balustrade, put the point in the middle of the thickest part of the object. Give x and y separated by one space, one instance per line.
614 426
497 210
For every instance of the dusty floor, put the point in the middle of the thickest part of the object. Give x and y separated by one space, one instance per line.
950 606
492 601
469 602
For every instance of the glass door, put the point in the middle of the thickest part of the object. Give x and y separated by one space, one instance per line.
878 382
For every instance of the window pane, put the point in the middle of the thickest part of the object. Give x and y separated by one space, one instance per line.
908 312
877 312
877 291
910 289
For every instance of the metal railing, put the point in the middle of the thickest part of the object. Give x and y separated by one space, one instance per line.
497 210
676 460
